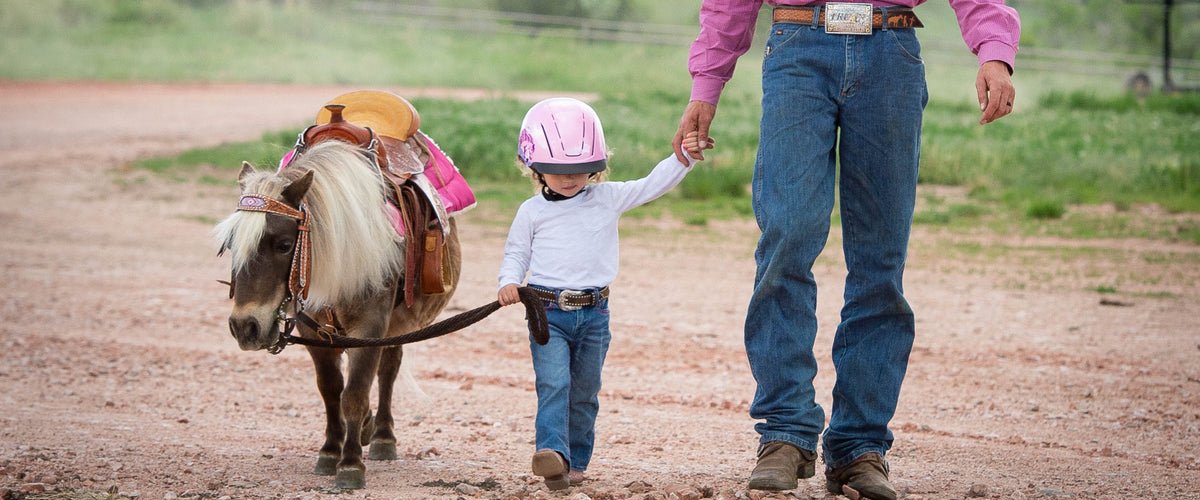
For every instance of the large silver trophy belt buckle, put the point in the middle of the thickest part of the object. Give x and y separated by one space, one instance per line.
565 295
844 18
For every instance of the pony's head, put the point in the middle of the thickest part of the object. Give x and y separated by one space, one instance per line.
263 247
354 249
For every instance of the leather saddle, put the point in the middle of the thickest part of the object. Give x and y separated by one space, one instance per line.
399 159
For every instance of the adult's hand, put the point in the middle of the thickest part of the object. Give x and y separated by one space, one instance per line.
995 90
696 118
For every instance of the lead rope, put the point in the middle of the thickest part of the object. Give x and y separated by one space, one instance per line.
535 316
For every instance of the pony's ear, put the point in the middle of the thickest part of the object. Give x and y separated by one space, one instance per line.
247 169
294 192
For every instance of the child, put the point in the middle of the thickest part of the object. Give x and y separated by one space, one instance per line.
566 239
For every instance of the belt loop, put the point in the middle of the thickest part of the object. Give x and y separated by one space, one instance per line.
816 15
884 18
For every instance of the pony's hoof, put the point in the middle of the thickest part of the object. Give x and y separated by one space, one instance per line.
326 465
382 450
351 479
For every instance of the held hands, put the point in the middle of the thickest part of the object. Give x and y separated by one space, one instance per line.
696 119
508 295
995 90
691 143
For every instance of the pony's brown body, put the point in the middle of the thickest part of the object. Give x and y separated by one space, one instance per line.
357 272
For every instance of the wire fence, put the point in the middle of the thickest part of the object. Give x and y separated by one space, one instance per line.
1110 64
491 21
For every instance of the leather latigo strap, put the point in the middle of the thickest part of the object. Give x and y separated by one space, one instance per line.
898 17
581 300
414 214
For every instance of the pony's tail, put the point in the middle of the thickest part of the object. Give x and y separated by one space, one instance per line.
410 385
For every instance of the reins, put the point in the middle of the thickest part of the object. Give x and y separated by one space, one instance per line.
535 316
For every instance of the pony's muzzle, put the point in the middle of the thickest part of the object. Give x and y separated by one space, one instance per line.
251 333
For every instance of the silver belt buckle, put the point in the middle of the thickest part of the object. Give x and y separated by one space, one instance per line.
844 18
568 294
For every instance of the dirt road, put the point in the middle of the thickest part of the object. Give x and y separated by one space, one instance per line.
118 376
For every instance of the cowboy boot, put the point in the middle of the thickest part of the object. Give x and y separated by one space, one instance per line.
551 466
780 464
867 475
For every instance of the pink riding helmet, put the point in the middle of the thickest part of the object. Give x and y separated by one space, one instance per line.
561 135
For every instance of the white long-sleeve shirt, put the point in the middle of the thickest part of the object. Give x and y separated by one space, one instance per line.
572 243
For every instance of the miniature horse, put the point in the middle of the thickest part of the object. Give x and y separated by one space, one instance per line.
357 269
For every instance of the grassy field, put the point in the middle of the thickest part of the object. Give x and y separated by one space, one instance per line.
1074 141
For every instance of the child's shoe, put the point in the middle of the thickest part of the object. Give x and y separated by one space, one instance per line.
575 477
551 466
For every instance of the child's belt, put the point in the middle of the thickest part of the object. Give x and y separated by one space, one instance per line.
570 300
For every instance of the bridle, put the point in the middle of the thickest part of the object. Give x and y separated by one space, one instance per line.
301 267
302 256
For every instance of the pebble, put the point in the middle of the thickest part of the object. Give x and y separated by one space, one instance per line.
33 488
683 492
467 489
639 487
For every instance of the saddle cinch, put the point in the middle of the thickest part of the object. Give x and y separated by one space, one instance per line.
425 189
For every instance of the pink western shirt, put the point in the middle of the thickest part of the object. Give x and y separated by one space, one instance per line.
990 28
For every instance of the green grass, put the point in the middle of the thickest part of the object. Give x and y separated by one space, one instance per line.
265 151
1028 168
1045 209
969 212
1071 150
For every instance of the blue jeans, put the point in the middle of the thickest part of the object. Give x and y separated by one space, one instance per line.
568 381
859 98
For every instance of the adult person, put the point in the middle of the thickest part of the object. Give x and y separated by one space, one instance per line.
851 90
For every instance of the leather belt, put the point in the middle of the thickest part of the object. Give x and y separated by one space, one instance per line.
570 300
898 17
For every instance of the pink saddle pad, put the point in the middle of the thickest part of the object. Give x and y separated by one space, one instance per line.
456 195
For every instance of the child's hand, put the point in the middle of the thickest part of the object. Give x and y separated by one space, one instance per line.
693 146
508 295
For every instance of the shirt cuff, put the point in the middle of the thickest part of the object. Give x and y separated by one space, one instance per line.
706 89
997 51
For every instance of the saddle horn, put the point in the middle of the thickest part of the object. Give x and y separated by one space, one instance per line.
339 129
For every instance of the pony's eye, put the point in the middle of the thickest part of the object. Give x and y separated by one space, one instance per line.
283 246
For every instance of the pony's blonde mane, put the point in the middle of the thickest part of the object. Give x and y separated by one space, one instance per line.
355 249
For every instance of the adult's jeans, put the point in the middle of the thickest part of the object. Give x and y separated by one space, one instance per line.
568 381
857 98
